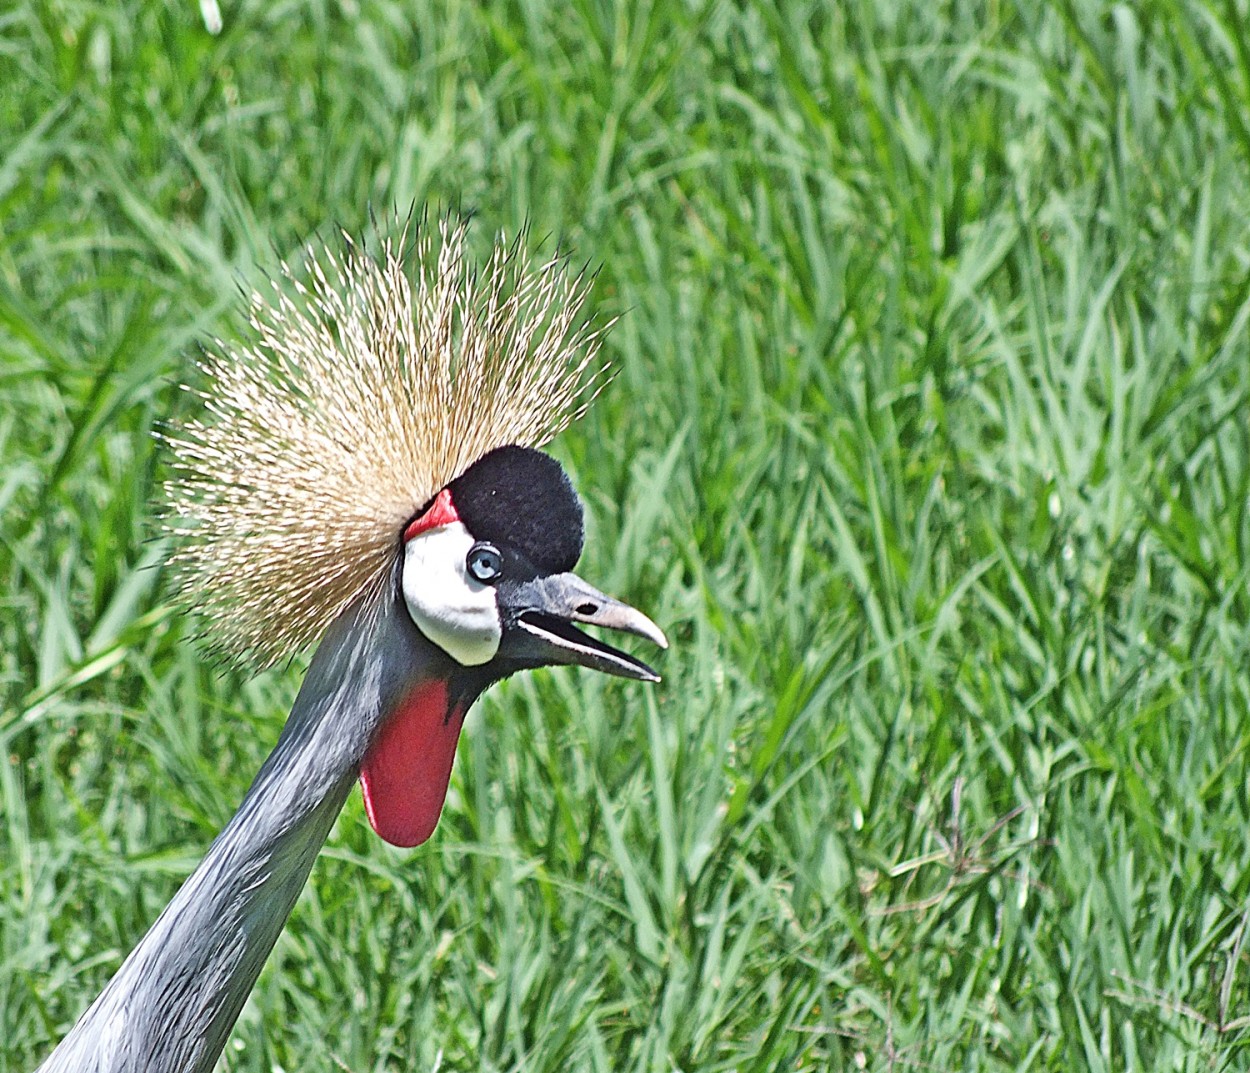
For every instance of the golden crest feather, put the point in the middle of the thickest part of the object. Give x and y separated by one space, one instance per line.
360 395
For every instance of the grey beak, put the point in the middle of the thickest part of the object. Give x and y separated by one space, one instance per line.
538 619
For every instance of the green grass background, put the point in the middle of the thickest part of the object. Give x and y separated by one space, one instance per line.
929 447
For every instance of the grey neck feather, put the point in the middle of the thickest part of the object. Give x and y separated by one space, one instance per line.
172 1004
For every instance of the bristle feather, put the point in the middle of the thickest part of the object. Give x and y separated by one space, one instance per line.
360 395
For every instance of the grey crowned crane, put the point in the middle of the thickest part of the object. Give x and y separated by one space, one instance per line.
366 476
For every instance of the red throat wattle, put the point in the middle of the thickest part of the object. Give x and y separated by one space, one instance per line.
405 773
406 770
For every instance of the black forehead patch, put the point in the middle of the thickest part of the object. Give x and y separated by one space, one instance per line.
521 498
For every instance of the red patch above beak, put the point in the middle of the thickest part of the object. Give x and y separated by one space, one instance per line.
441 512
405 773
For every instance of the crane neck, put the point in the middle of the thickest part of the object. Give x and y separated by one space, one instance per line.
172 1004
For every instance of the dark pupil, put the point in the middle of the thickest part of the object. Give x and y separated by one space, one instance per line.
485 562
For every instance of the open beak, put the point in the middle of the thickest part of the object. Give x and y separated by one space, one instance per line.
539 616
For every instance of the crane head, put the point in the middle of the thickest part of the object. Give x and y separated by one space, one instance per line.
371 455
488 576
487 579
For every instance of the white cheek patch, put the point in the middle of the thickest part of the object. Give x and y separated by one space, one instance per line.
454 610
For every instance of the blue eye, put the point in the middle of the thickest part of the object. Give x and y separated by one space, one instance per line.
485 563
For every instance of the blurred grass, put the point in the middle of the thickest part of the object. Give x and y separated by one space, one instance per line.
929 447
